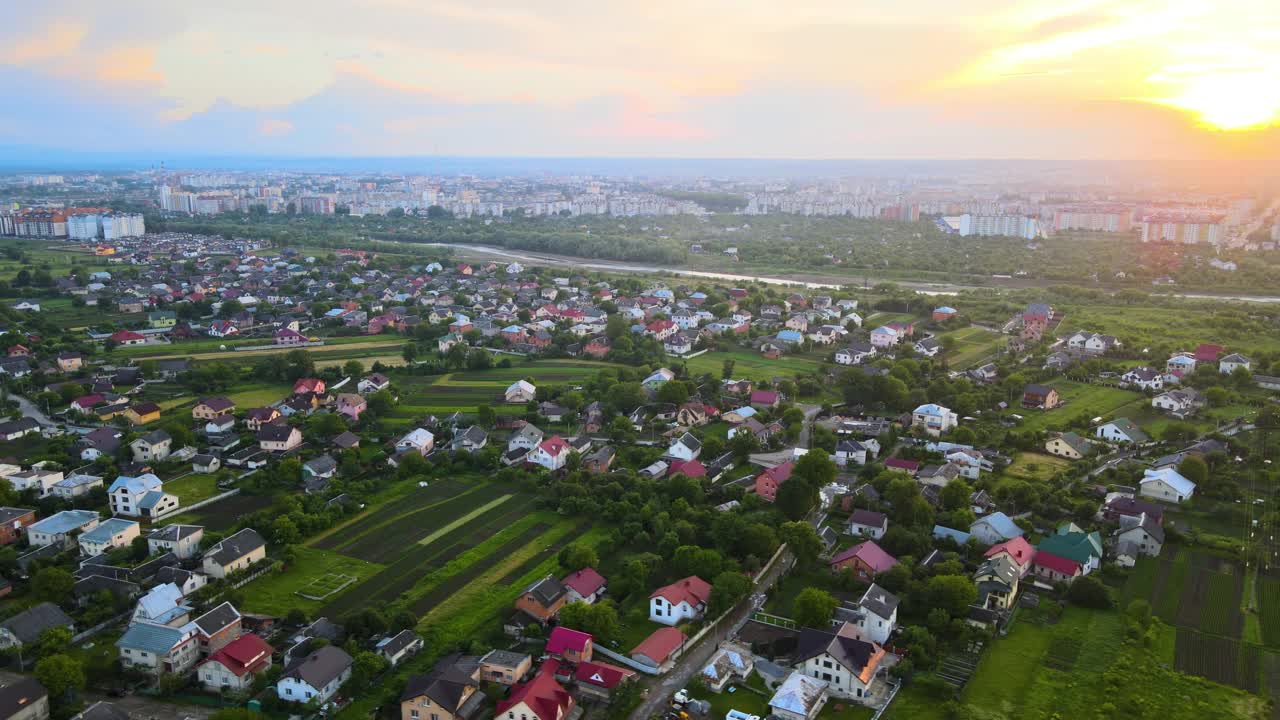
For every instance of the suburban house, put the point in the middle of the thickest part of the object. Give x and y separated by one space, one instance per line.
875 614
317 677
181 540
520 391
865 560
1068 445
1179 403
234 666
13 521
994 528
997 580
542 698
1018 551
1144 378
855 353
682 600
799 697
448 692
152 447
1233 362
110 534
159 649
1145 537
850 452
1040 397
25 699
279 438
211 407
234 553
1054 568
933 419
865 523
543 599
685 447
142 413
25 628
731 662
1073 543
847 665
551 453
768 482
598 680
373 383
419 440
141 496
661 645
351 405
55 529
1165 484
573 646
1121 430
585 585
505 667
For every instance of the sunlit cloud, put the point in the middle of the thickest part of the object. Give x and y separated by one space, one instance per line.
55 41
274 127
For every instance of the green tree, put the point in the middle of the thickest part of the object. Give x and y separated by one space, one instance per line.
53 640
814 608
795 498
600 619
953 593
816 469
62 676
409 352
802 540
1089 592
53 584
486 416
576 556
353 368
1194 469
727 589
365 667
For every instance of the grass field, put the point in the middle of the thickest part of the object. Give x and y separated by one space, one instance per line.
973 345
345 351
465 391
192 488
751 365
276 593
1036 467
1079 400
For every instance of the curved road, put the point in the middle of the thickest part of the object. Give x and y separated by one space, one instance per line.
30 410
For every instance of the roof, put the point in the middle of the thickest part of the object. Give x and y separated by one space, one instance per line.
28 624
602 674
398 642
960 536
798 694
852 653
879 601
1129 428
868 518
136 485
321 667
158 639
693 590
1057 563
63 522
218 618
106 529
585 582
173 533
1018 548
660 644
1171 477
243 655
1000 523
19 695
543 695
868 552
446 684
235 547
563 640
547 590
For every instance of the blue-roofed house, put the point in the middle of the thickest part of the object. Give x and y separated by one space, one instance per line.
944 533
790 337
1166 484
994 528
55 528
934 419
109 535
141 496
159 649
162 605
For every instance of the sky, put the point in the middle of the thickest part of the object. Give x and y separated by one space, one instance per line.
1051 79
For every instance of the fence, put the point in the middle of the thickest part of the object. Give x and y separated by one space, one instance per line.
202 503
86 634
290 346
623 659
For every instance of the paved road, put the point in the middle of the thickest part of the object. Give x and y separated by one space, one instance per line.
810 412
698 656
30 410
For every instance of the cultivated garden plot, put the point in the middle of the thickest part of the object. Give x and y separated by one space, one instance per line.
1218 659
326 586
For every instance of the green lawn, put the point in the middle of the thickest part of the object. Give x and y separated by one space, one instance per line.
1080 401
751 365
192 488
260 395
1036 467
973 345
276 593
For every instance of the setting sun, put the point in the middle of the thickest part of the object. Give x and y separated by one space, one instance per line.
1225 100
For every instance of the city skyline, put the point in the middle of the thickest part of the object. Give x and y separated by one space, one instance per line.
1124 79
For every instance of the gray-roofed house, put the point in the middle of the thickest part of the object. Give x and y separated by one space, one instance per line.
234 553
402 645
25 627
24 699
181 540
218 627
448 692
159 649
839 661
470 440
798 698
316 677
155 445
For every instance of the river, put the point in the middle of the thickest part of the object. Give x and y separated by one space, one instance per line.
924 288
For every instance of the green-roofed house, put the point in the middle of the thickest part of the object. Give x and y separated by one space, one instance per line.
162 319
1122 430
1068 445
1073 543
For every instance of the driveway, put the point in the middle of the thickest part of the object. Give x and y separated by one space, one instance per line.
699 655
30 410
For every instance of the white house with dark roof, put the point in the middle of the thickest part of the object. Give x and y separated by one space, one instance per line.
316 677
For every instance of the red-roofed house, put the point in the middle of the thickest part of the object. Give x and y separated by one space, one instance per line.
127 337
598 680
1055 568
1208 352
1019 552
288 336
309 385
764 398
572 645
661 329
910 467
542 698
658 647
585 585
866 559
768 481
551 453
687 468
235 665
681 600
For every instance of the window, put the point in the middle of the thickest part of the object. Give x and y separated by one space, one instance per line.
413 713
